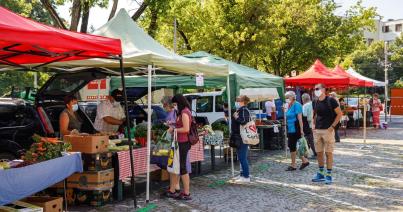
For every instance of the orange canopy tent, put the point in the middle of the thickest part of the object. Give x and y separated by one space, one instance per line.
354 81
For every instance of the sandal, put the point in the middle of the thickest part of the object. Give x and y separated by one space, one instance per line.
290 168
304 165
183 196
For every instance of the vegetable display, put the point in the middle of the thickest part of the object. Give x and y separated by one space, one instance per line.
45 149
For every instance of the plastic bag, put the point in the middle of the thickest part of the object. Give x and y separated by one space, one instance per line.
302 147
173 165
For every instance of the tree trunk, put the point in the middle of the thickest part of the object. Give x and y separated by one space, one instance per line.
239 60
86 15
152 28
113 11
75 15
140 11
183 35
55 17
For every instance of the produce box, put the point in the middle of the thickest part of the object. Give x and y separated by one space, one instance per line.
93 198
49 204
20 206
94 180
88 143
59 192
97 162
159 175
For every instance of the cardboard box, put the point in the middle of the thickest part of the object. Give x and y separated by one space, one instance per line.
49 204
88 143
100 180
97 162
159 175
93 198
20 206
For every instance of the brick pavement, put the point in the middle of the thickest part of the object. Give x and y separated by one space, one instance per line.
364 180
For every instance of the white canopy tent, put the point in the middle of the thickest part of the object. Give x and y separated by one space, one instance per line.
140 51
361 77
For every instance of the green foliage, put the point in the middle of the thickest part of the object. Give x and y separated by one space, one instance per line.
369 60
141 131
276 36
398 83
29 8
20 80
221 127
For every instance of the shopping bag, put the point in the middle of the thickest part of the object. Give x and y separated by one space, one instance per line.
249 133
173 165
302 147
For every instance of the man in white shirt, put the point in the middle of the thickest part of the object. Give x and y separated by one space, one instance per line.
270 109
110 114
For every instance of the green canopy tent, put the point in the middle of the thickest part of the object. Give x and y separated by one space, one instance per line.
241 78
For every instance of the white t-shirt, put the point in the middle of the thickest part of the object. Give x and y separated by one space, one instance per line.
106 108
269 105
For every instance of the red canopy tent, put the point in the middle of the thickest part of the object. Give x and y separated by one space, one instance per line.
317 73
353 80
24 41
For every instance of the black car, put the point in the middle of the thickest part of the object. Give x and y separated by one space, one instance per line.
20 119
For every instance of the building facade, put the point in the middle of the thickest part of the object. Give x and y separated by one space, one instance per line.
384 30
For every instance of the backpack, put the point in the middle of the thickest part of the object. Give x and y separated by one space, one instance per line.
193 133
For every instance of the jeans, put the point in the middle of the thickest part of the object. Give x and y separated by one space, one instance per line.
336 135
243 159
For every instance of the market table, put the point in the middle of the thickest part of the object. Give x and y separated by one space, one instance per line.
18 183
261 128
213 140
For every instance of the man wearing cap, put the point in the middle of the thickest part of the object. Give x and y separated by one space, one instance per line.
110 114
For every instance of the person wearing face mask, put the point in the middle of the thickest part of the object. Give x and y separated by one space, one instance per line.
110 114
69 121
376 106
327 115
240 117
294 129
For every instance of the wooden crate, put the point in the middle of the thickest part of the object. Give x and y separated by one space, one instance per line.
49 204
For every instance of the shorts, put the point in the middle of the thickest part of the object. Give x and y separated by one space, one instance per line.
184 148
324 140
292 141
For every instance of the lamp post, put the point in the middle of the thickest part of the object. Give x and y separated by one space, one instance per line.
386 79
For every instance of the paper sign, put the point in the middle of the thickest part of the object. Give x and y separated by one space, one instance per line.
293 73
199 79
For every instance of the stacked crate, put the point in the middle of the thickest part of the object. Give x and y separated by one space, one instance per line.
94 186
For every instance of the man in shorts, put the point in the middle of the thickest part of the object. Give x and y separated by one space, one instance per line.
327 114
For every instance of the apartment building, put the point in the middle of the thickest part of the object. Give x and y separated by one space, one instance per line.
385 30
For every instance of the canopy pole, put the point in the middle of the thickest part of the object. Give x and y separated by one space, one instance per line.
365 146
229 124
149 102
122 75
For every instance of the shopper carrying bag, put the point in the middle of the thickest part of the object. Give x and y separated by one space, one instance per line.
173 165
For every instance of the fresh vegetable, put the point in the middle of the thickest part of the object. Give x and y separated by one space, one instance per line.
221 127
45 149
141 131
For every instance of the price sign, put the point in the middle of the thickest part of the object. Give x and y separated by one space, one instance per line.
199 79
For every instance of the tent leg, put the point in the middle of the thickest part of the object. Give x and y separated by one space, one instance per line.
122 74
149 102
365 146
229 124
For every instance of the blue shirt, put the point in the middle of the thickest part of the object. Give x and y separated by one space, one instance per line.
292 112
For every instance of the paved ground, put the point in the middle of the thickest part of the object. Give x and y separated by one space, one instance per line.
365 180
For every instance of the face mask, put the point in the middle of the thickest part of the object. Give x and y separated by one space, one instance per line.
176 107
318 93
118 98
237 105
287 101
75 107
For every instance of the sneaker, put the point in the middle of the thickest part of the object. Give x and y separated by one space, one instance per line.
243 180
319 177
237 178
328 179
174 195
183 196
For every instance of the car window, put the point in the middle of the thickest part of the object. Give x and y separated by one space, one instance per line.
204 104
253 106
219 104
65 84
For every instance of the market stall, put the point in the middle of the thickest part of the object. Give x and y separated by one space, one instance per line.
143 55
28 45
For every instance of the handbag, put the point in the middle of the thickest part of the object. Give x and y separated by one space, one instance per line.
302 147
249 133
173 165
235 141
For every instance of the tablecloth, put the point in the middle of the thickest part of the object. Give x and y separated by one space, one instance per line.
18 183
140 163
197 152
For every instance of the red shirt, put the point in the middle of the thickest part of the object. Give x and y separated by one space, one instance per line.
183 137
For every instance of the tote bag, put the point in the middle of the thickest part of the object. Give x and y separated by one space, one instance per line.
249 133
173 165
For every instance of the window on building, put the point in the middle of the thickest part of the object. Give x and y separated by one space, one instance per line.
398 27
204 104
385 29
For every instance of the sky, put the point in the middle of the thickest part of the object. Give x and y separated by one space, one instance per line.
388 9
